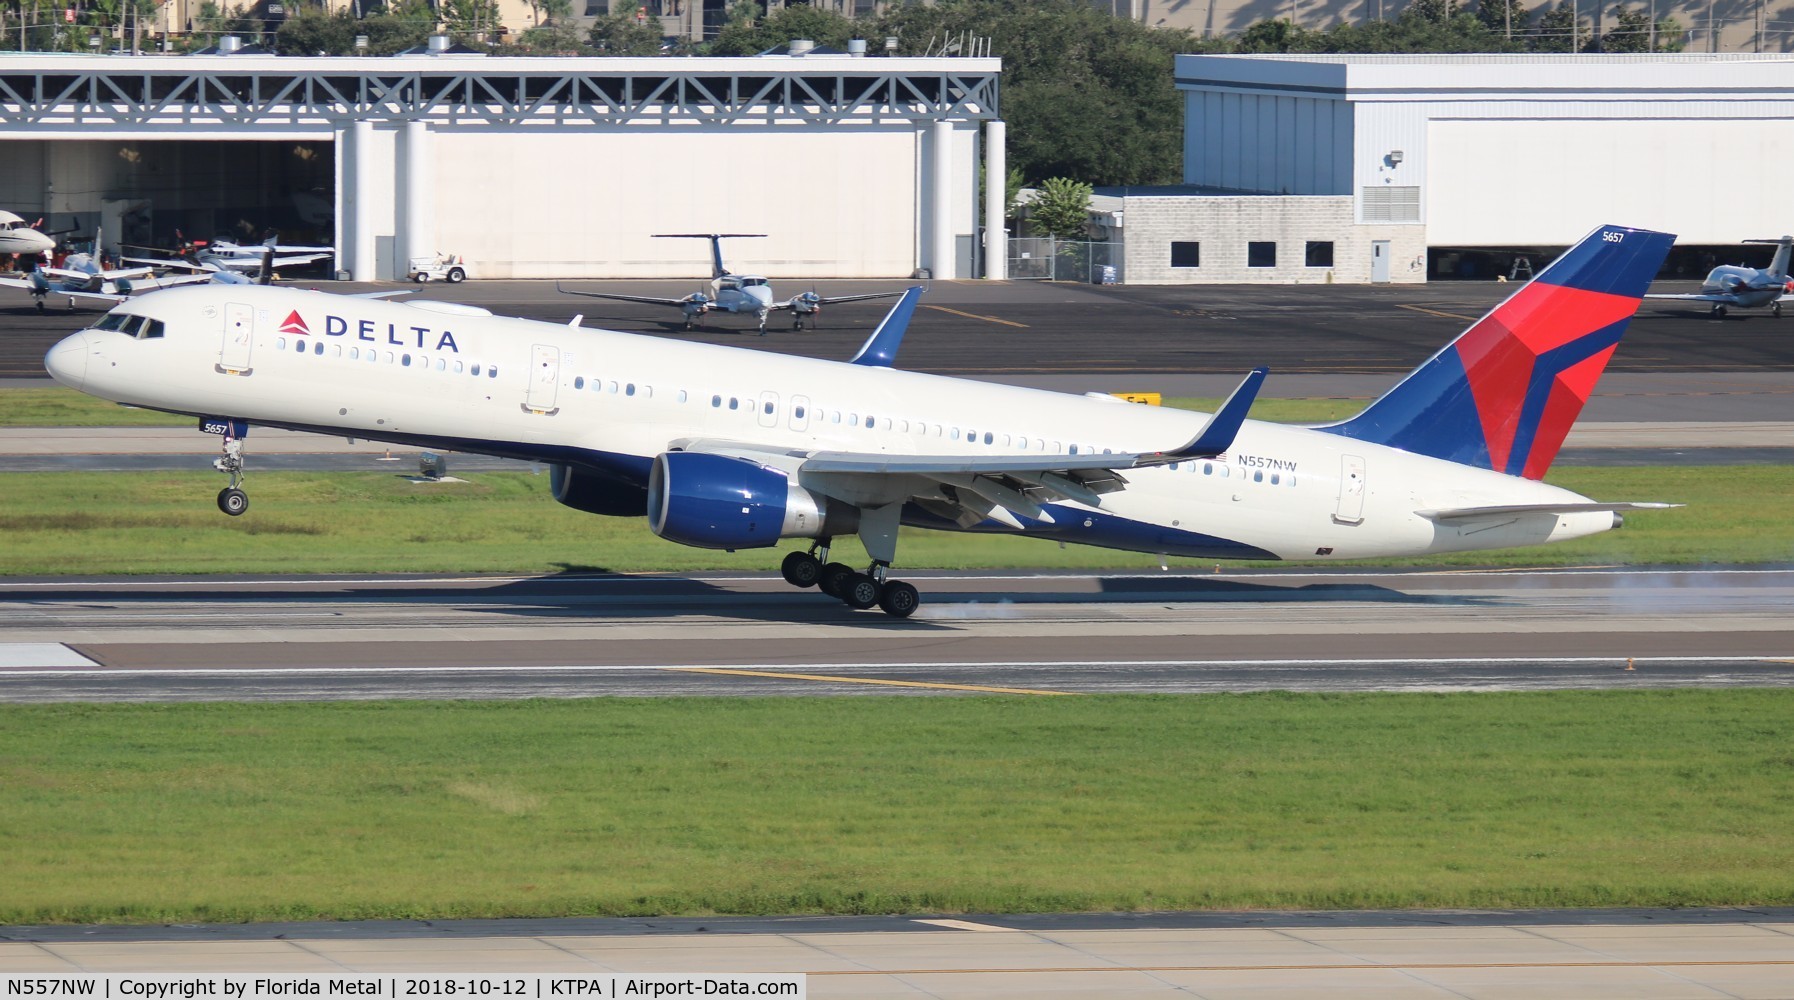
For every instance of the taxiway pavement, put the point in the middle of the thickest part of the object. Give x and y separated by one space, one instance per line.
1698 954
999 329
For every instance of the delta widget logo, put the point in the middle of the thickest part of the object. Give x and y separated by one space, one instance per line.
295 324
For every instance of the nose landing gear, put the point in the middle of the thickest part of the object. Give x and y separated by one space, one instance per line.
232 500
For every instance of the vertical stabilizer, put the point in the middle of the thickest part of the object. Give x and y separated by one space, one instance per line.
1503 395
717 270
1778 268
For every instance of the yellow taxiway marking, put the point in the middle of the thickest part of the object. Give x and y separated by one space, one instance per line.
1436 312
833 679
987 319
1316 967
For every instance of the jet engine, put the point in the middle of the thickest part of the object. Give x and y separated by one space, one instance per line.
596 492
719 502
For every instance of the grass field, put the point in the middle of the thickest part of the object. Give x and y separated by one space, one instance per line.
219 812
364 522
55 406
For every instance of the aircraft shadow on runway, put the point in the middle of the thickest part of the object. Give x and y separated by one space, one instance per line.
584 594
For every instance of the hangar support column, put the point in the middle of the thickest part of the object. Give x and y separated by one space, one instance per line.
358 198
417 219
940 214
996 197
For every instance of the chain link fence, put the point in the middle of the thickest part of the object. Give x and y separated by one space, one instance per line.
1045 258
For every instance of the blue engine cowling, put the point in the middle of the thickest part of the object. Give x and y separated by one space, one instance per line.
596 492
718 502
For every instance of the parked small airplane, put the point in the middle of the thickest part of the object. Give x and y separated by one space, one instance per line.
224 255
726 448
1746 287
16 236
736 293
81 276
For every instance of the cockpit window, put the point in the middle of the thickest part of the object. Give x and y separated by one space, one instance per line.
140 327
753 282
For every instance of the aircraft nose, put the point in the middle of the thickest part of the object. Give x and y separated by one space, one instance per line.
40 243
67 361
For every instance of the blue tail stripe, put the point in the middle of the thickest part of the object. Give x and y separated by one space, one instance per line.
1615 267
1545 370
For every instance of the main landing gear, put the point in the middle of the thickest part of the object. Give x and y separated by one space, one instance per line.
861 591
1718 311
232 500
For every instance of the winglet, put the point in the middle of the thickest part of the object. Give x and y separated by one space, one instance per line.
880 349
1217 435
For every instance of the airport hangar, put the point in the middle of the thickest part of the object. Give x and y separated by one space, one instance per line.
528 167
1395 159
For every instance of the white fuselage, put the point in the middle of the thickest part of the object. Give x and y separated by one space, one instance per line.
741 293
1746 286
409 373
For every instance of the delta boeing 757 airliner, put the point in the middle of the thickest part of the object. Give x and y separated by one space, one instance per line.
725 448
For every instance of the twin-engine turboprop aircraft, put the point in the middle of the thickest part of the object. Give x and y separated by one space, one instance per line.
726 448
736 293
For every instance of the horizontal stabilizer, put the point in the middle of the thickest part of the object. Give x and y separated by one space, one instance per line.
1467 513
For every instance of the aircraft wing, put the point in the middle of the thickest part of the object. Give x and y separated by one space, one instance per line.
1725 297
973 488
830 300
26 285
649 299
1468 513
169 281
246 259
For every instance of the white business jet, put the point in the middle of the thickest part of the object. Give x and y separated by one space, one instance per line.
1737 286
726 448
18 236
736 293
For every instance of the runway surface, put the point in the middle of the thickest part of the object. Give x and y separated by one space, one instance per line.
1024 634
1044 328
1419 955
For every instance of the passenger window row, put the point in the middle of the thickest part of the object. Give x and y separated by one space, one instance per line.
403 359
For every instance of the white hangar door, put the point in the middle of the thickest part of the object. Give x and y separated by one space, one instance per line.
836 204
1525 183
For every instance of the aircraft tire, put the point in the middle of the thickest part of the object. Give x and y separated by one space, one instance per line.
233 501
834 579
861 592
801 569
899 599
1775 309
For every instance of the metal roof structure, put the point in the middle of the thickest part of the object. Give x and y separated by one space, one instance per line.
50 94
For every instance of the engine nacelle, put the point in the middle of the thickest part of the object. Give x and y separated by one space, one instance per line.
596 493
717 502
